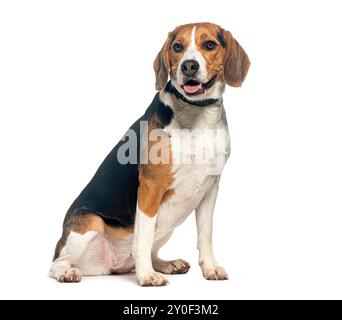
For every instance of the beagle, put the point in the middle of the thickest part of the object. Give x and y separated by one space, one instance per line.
166 166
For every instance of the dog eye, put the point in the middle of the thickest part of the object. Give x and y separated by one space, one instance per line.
209 45
178 47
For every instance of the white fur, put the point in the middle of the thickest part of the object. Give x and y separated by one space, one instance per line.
195 186
76 245
204 220
93 254
144 235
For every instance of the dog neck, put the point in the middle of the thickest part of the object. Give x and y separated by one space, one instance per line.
188 115
197 103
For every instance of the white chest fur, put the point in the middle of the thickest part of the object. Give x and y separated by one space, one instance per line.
200 147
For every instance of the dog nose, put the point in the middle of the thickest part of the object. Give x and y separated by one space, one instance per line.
189 67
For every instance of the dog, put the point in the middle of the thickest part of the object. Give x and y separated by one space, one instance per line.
143 191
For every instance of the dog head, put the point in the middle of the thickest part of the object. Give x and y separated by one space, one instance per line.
200 58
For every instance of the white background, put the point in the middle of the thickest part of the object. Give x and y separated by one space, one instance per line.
74 75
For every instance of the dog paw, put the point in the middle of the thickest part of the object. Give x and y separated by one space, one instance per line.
214 272
152 279
178 266
70 275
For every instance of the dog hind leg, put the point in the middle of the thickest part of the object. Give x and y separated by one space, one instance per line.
89 247
65 267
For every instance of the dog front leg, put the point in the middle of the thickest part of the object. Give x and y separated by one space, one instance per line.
204 219
155 178
144 230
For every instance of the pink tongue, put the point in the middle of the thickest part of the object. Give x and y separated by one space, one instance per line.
192 89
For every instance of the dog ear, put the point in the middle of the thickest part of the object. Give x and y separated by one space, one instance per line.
162 64
236 61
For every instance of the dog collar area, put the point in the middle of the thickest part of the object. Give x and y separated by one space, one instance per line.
198 103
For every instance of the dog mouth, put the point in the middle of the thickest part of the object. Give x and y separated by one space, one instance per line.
193 87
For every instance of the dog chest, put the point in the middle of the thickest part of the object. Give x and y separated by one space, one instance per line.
198 159
189 187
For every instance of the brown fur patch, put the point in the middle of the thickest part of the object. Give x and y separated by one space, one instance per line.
162 65
215 59
154 178
59 246
236 62
229 62
167 59
89 222
183 36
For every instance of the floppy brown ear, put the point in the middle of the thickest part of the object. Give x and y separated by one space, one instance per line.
236 62
162 65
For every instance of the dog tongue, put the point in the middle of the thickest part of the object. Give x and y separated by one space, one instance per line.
192 89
